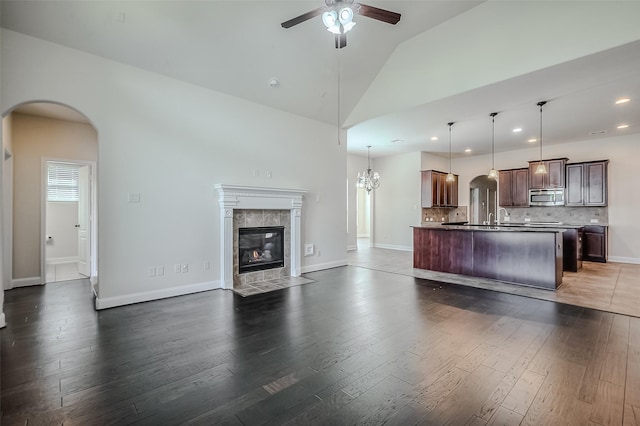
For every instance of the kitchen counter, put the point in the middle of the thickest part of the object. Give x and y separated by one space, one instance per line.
503 228
525 255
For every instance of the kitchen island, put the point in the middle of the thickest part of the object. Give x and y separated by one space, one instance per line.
527 256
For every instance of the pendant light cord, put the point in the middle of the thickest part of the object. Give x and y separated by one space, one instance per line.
450 124
493 137
339 97
541 104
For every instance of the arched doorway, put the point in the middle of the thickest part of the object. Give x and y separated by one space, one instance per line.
482 199
36 137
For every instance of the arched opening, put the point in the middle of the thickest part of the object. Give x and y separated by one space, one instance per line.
482 199
49 196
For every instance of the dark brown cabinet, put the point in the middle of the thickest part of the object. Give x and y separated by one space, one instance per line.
436 191
513 188
554 178
594 244
587 183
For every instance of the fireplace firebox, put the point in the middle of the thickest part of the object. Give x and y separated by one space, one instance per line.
260 248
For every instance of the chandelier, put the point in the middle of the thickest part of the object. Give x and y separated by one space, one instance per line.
368 180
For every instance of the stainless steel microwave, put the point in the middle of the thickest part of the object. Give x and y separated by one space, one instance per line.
546 197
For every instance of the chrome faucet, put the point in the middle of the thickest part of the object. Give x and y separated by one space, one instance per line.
490 215
506 213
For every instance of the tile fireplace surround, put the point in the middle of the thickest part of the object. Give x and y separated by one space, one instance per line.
235 197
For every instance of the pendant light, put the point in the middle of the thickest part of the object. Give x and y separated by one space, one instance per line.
368 180
450 176
541 169
493 173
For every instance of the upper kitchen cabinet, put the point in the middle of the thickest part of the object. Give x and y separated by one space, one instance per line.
587 183
513 188
554 178
436 191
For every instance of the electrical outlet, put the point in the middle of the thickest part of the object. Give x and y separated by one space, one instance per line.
152 271
594 220
185 268
176 268
207 265
507 219
134 197
159 271
527 219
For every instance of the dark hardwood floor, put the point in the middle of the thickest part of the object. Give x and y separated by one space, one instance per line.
357 347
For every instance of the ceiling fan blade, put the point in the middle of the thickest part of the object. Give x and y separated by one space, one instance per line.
304 17
341 41
376 13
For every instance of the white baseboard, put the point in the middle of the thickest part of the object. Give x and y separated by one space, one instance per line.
352 248
393 247
147 296
2 321
363 235
321 266
621 259
59 260
26 282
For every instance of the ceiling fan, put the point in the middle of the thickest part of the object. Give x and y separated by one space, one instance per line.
337 16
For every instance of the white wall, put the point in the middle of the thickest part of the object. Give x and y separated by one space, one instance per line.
396 204
35 138
355 164
60 226
171 142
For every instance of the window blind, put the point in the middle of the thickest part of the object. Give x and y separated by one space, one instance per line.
62 182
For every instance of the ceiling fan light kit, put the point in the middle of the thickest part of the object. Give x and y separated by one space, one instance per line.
337 17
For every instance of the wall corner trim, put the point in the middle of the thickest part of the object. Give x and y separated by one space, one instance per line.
147 296
2 321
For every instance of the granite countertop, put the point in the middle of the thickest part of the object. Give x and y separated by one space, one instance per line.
518 225
493 228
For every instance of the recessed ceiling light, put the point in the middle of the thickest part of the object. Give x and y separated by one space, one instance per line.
434 138
517 130
622 101
623 126
467 150
532 140
397 141
274 82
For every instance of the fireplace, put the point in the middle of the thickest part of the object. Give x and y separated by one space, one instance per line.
260 248
285 205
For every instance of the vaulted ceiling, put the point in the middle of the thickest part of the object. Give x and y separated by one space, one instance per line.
444 61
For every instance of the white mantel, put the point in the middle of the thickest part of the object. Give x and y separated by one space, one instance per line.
233 197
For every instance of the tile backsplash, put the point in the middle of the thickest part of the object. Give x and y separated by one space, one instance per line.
445 214
568 215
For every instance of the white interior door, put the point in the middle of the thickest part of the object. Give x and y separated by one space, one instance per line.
84 221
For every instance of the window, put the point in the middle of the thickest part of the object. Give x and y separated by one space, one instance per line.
62 182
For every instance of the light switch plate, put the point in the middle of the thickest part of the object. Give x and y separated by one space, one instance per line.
308 249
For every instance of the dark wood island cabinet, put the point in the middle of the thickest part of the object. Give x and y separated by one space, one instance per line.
531 257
